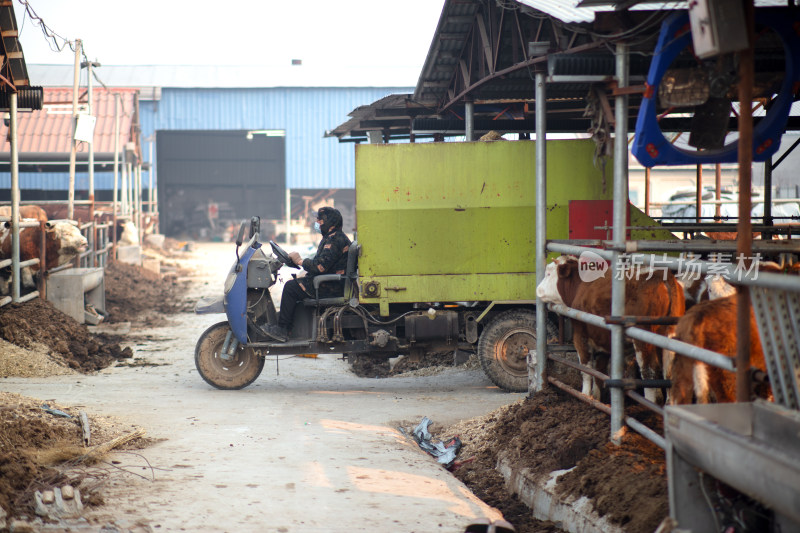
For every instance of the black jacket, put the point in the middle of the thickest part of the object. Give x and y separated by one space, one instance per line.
331 258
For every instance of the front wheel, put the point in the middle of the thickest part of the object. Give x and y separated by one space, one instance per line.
235 373
504 345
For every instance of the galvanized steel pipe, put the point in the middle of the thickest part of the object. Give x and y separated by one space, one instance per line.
15 289
608 255
619 236
469 121
701 354
537 381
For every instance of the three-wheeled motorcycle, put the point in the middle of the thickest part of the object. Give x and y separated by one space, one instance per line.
231 354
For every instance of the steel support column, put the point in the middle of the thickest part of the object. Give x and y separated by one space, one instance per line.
116 162
12 129
699 194
537 381
745 236
767 220
620 218
469 121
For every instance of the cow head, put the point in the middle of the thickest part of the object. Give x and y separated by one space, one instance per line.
552 288
68 241
129 235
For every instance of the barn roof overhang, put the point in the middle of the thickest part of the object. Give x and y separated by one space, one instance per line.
44 136
13 70
488 54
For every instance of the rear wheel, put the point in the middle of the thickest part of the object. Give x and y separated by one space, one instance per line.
236 373
504 345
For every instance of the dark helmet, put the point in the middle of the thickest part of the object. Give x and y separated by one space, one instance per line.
331 219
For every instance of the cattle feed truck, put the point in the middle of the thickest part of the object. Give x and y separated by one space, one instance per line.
445 259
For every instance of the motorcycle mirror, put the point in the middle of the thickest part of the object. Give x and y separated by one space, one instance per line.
240 237
255 226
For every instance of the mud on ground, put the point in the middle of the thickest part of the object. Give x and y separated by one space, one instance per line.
365 366
139 296
39 450
36 339
554 431
40 340
37 322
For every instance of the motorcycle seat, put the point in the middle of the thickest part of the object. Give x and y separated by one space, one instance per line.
350 278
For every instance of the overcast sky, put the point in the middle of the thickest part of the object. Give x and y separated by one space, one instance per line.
244 32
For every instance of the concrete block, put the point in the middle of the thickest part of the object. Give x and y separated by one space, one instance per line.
63 502
576 515
70 291
152 264
130 254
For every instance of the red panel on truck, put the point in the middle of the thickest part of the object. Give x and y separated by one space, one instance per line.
585 215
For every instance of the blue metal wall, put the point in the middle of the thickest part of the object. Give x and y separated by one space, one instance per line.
312 162
54 181
305 113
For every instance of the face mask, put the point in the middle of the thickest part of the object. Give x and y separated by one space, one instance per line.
317 228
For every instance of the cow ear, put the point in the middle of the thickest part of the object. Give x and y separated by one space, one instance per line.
565 269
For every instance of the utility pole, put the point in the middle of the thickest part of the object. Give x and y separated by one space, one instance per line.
89 65
73 143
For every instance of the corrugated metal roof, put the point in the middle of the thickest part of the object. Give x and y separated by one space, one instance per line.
230 76
568 10
49 130
565 10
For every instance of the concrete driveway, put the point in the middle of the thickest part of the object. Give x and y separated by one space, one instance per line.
308 447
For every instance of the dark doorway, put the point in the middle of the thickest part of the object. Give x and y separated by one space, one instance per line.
210 180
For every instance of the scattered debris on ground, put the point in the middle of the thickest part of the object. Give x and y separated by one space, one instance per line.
554 431
42 448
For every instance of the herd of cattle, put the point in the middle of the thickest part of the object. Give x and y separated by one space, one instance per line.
705 310
63 240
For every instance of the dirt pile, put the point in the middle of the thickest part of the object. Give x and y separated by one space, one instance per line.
37 322
38 450
41 340
553 431
370 367
137 295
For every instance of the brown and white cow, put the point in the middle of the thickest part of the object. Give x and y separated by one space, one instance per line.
126 231
712 325
659 296
25 211
63 242
698 288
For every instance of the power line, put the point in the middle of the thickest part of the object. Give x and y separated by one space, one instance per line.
54 40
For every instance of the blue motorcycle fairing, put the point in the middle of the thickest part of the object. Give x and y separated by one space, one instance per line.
236 298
